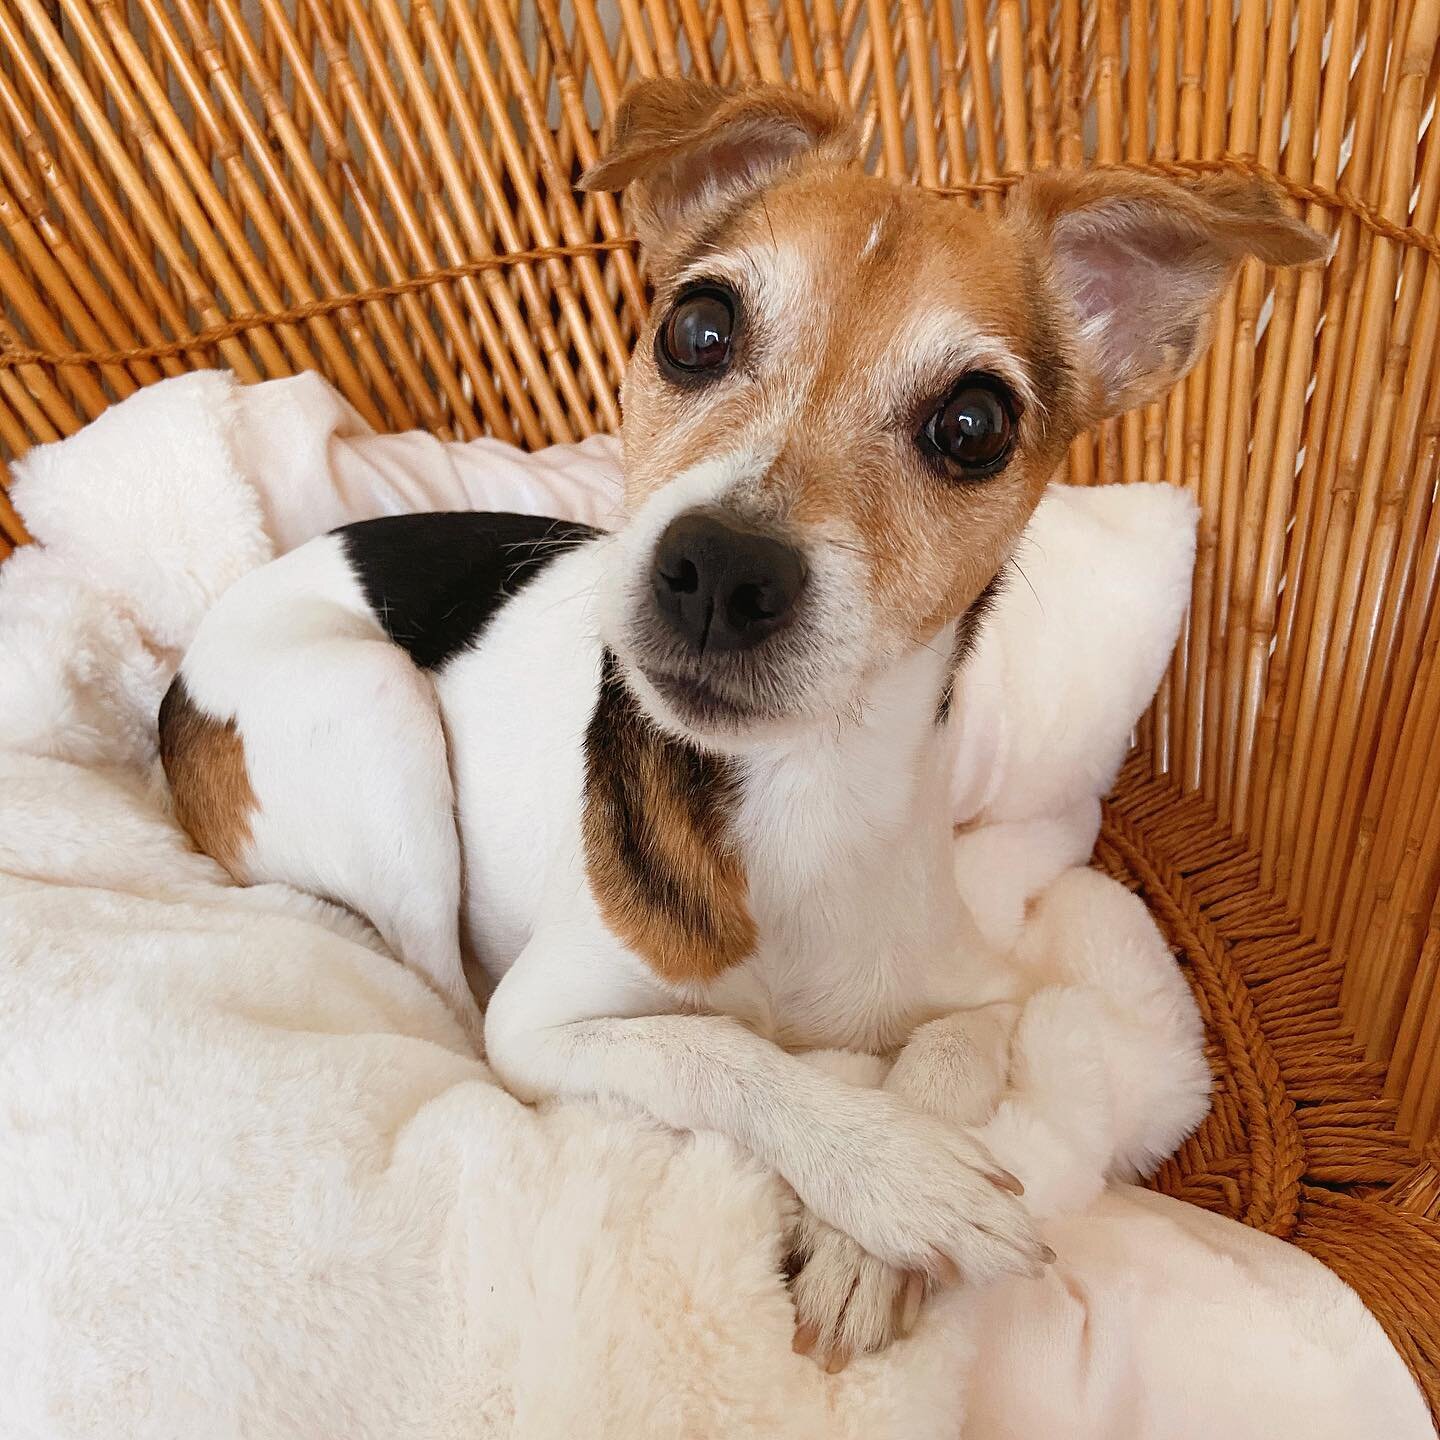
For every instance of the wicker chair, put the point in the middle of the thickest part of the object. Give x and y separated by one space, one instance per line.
383 191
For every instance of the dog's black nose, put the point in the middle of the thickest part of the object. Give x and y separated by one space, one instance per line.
722 585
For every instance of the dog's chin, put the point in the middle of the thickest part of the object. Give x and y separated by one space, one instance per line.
698 709
704 711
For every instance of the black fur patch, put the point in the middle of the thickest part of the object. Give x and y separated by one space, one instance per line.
436 581
967 632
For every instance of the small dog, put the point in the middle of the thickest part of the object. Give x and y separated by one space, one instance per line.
677 791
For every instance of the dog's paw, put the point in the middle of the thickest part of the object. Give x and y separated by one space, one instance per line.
847 1303
921 1195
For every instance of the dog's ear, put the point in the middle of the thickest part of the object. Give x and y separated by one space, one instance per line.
680 146
1141 263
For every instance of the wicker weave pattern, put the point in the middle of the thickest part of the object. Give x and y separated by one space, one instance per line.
1297 1142
14 357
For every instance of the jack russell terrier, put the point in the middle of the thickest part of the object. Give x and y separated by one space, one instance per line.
677 791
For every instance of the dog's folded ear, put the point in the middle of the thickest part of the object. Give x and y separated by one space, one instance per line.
679 147
1142 261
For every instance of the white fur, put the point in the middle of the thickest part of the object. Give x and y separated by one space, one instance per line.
872 239
251 1184
343 742
941 341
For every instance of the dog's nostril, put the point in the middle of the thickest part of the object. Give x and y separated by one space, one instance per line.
748 604
682 577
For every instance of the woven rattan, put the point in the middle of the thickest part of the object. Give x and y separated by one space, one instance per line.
1300 1140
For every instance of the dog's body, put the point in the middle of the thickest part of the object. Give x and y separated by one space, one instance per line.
859 935
696 765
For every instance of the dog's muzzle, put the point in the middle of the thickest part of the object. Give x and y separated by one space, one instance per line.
722 596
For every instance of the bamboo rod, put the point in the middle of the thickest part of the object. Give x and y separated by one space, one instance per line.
1356 474
55 108
1376 584
1296 634
1246 447
192 218
488 365
1289 360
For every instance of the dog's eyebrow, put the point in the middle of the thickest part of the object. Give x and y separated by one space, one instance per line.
944 344
693 261
768 281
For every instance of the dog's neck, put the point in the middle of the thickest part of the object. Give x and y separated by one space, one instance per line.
845 837
846 844
847 792
695 859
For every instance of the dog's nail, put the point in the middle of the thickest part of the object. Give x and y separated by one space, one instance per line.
1047 1255
910 1300
805 1338
1004 1180
947 1272
836 1361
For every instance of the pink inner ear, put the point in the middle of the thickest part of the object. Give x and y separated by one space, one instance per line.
1141 285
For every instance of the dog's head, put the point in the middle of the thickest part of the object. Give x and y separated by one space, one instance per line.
850 394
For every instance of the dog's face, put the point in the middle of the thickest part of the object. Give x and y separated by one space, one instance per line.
850 394
846 404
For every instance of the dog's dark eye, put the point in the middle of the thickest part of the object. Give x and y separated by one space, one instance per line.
695 337
974 427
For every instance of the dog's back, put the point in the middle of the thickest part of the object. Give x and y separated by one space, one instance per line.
302 740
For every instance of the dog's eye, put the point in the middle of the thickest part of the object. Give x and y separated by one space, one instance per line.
974 427
697 332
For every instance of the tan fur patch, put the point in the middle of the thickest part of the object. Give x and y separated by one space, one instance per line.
204 761
658 853
679 146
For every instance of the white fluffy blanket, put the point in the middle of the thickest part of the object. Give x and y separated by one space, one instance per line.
252 1185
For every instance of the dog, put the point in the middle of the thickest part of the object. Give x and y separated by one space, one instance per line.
675 791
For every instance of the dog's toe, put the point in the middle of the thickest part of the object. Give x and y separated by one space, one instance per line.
847 1303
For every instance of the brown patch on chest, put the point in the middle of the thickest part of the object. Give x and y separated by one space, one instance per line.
658 850
204 762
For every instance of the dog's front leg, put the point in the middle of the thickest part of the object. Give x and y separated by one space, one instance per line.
848 1302
575 1016
1098 1077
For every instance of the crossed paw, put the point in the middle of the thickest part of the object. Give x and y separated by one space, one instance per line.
848 1303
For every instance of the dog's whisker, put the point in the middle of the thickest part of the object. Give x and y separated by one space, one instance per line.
770 224
1016 564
